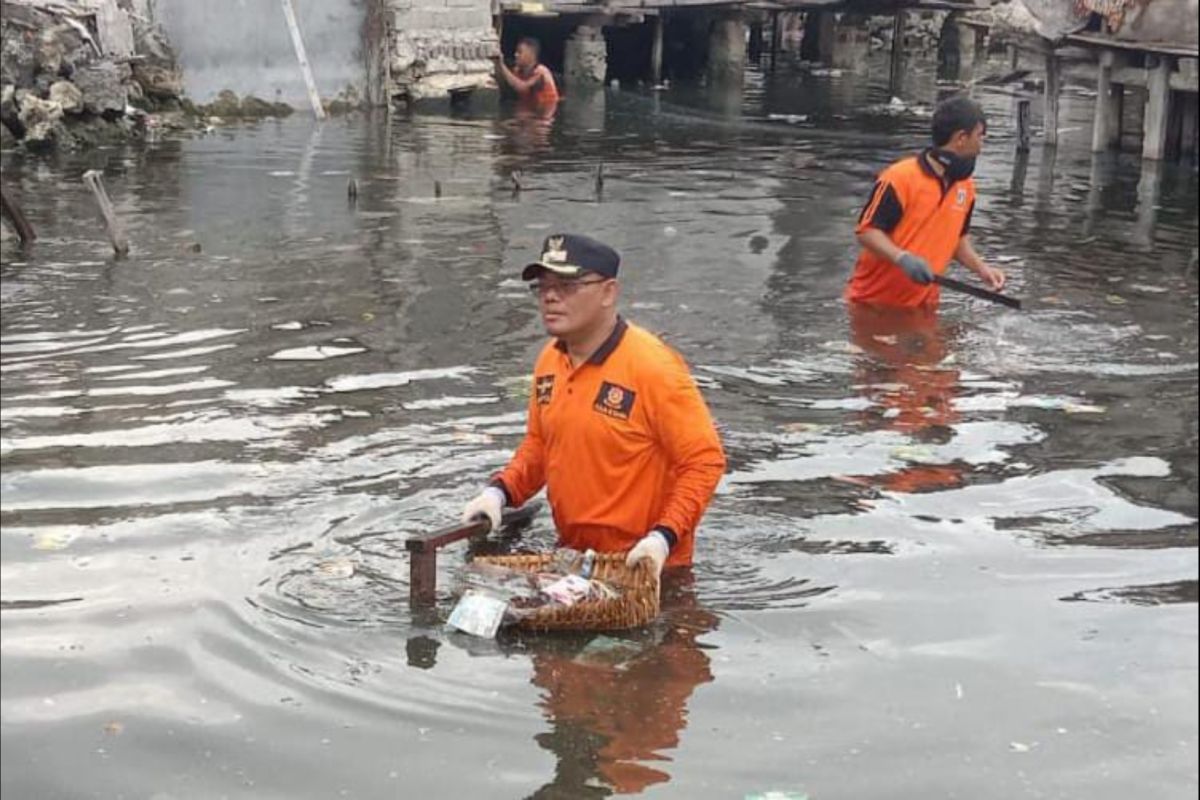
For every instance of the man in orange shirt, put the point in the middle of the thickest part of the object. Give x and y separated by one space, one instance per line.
532 81
919 216
617 431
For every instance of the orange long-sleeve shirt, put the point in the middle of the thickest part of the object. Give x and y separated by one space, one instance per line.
623 444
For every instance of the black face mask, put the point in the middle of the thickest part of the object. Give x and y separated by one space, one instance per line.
958 168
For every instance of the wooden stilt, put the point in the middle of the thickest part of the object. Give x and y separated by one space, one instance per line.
1188 130
755 45
314 96
1116 116
10 209
656 50
1158 109
776 38
1020 172
1101 135
1053 92
1024 124
116 232
896 76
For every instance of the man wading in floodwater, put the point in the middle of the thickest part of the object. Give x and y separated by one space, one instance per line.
917 219
919 216
532 81
617 431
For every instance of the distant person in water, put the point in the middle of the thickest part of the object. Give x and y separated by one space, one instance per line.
531 80
919 216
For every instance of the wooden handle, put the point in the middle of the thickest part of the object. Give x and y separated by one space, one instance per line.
423 547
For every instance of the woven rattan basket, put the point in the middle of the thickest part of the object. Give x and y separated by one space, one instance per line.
636 606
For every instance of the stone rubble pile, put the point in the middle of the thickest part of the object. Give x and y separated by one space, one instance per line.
75 73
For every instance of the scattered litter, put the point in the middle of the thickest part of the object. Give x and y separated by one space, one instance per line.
1149 289
791 119
842 347
478 614
336 568
1116 300
52 540
294 325
802 427
605 650
915 454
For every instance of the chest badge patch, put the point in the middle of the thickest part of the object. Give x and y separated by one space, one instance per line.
545 389
614 401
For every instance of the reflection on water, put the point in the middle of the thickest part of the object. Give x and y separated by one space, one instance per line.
214 450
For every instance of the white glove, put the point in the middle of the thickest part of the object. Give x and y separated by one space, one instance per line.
653 547
489 503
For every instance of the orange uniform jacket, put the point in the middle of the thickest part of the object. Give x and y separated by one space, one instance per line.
923 215
623 443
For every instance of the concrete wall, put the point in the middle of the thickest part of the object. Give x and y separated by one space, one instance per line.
244 45
439 46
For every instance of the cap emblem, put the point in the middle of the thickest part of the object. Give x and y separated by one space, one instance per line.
554 252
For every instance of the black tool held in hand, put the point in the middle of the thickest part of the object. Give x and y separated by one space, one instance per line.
977 291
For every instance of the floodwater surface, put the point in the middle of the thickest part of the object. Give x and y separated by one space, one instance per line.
952 556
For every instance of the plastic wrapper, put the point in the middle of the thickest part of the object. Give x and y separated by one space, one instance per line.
567 583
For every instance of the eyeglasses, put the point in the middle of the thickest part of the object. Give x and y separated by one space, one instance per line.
562 288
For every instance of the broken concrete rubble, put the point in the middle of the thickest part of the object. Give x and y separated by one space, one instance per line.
103 86
39 118
69 70
68 96
227 105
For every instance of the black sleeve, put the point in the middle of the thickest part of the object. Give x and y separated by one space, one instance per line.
668 534
967 222
888 210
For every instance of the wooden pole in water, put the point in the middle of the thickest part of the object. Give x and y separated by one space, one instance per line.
1023 125
10 209
314 96
1158 108
656 50
1189 127
116 232
896 76
1053 91
755 46
1101 135
776 38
